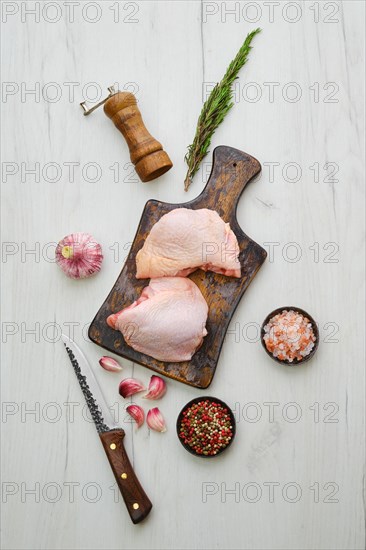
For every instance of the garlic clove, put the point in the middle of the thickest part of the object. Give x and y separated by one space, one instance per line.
156 389
79 255
109 364
130 386
155 420
137 413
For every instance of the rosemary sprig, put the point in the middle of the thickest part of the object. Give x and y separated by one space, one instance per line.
214 110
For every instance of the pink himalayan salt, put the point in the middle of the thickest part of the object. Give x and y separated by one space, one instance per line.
289 335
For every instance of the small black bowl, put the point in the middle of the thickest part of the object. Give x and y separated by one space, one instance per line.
313 324
197 400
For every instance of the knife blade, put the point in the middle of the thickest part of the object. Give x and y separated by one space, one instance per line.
136 500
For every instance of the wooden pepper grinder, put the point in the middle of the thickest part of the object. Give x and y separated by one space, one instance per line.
146 153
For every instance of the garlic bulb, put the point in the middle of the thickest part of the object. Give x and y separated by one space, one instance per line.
79 255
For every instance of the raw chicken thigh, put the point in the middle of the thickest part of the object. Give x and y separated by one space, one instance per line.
167 322
184 240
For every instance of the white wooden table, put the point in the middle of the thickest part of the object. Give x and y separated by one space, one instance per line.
293 478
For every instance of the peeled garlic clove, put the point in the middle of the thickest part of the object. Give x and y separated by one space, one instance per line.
79 255
156 389
155 420
130 386
110 364
137 413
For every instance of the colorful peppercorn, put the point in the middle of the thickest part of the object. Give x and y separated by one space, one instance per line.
206 427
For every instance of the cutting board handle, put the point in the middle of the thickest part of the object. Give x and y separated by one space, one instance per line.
231 171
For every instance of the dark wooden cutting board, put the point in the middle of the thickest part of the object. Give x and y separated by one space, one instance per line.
231 171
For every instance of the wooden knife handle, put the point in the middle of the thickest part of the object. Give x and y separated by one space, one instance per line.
146 152
138 504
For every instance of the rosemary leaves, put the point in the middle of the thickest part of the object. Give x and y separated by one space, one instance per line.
214 111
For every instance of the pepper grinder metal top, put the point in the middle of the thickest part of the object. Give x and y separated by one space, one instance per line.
146 153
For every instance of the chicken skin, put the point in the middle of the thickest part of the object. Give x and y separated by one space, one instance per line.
184 240
167 322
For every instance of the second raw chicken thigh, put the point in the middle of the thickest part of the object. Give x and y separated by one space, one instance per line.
167 322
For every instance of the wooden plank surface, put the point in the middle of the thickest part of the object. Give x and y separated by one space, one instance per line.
293 478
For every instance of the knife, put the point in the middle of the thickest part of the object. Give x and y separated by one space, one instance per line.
138 504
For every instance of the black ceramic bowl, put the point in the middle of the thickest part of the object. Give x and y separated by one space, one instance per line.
313 324
197 400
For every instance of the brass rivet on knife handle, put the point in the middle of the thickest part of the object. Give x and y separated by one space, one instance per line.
136 500
146 153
